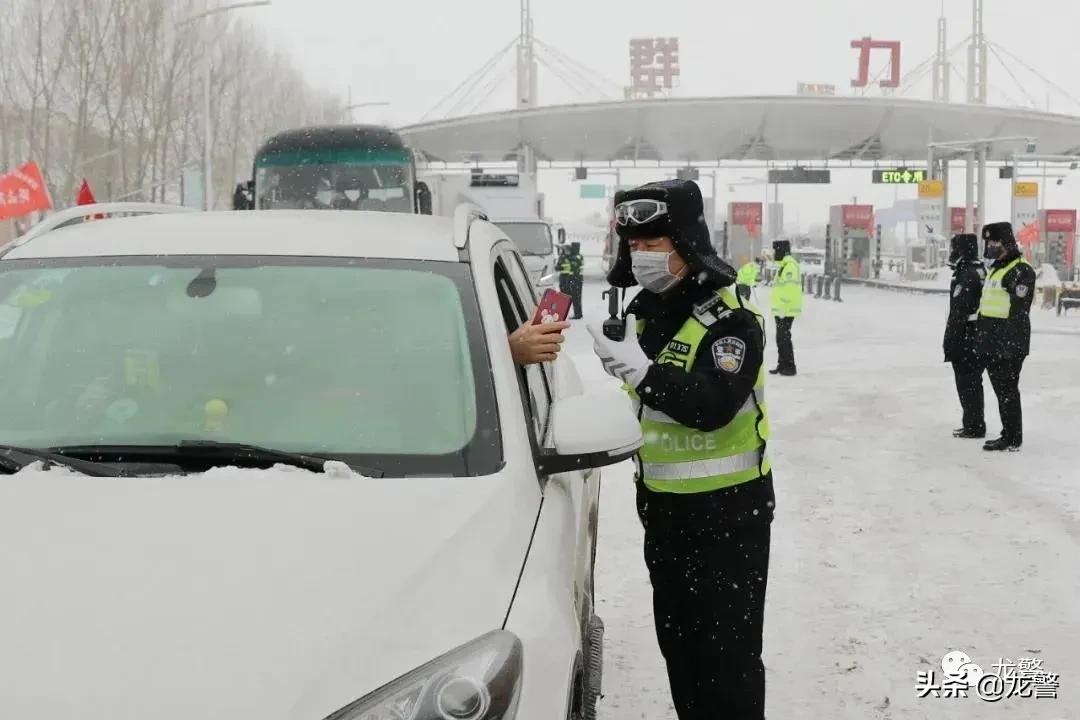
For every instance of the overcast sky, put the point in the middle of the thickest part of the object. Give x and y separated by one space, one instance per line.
413 53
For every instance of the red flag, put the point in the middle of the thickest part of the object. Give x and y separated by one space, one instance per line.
1029 234
22 191
86 195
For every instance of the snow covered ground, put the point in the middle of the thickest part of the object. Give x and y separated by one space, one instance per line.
893 542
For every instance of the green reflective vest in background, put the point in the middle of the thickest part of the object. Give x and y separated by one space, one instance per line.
748 274
679 459
995 302
571 265
787 289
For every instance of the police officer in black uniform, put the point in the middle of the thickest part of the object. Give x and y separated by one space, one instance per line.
572 275
706 548
961 339
1005 328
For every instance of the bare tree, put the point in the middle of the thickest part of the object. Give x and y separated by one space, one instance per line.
111 90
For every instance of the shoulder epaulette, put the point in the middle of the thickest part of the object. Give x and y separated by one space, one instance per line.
711 311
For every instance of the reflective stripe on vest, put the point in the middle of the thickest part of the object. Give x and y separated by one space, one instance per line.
995 301
787 290
679 459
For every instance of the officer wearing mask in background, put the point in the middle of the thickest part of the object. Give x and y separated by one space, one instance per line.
694 367
1005 328
786 305
572 275
747 279
961 339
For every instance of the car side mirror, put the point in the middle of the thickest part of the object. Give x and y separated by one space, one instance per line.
591 430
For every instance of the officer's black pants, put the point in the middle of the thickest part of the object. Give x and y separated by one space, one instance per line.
709 573
1005 378
743 290
572 286
969 388
784 348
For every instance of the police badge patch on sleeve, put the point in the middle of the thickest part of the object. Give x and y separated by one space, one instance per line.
1021 291
729 354
957 290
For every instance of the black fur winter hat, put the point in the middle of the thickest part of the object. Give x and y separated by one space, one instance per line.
1001 232
684 223
964 247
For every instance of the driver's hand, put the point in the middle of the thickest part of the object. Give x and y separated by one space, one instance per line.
531 344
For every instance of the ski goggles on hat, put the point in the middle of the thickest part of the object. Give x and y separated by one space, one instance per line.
639 212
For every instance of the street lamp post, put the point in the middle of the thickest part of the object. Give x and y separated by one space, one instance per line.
349 108
208 188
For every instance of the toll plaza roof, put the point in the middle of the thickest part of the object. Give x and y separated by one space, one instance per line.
739 128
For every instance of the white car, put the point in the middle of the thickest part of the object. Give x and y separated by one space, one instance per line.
533 239
281 465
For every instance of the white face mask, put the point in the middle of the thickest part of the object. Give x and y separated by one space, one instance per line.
651 270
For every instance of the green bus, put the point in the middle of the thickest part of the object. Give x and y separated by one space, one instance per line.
346 167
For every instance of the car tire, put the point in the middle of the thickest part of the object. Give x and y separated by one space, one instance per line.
594 668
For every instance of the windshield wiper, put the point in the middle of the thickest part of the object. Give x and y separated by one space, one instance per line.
212 453
13 459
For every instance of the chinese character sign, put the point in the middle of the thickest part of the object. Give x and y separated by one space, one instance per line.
22 191
654 63
864 46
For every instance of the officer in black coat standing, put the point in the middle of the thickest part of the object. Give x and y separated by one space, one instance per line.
1004 328
961 339
572 275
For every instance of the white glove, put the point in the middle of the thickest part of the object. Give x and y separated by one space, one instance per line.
624 358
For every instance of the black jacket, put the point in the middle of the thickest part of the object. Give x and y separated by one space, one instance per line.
708 397
961 339
1010 339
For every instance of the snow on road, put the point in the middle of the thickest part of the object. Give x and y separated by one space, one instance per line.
893 542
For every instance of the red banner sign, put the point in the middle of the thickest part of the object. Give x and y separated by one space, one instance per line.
859 216
22 191
746 213
958 217
1060 221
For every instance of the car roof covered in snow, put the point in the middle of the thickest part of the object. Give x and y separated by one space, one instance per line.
318 233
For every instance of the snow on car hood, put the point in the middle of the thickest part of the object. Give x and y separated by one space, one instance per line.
243 594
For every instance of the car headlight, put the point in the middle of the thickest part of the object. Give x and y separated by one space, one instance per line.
478 681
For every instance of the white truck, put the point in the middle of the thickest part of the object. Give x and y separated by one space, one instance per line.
513 204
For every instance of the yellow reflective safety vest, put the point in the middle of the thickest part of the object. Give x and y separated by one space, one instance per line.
787 289
679 459
995 302
748 274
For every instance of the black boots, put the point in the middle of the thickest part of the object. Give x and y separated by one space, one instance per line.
782 371
966 434
1002 444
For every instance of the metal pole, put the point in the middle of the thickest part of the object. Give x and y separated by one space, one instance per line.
969 214
208 187
980 207
715 200
1012 189
945 212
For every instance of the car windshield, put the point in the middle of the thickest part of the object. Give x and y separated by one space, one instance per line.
292 183
380 363
531 238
